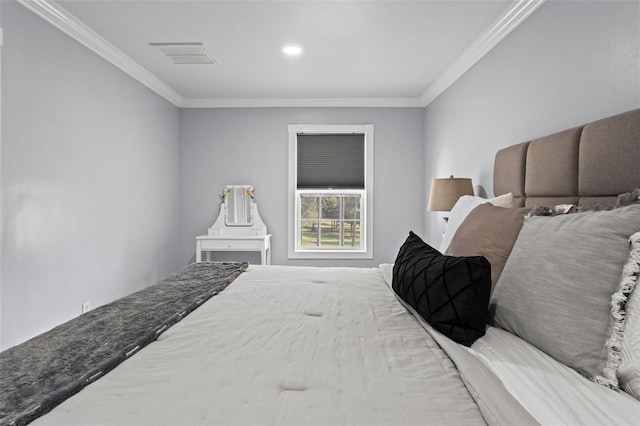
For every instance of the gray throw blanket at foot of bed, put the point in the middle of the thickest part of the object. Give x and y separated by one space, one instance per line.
39 374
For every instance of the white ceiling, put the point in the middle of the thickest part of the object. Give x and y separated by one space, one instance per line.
355 53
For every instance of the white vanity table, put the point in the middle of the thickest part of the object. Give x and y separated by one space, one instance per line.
238 226
261 243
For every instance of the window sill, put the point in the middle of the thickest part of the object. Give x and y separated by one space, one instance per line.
330 254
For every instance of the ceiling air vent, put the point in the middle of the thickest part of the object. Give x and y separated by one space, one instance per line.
185 53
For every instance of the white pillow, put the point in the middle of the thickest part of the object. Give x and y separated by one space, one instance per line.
463 207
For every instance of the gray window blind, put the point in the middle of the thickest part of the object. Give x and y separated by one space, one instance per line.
330 161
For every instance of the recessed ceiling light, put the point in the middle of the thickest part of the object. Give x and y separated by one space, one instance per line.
292 50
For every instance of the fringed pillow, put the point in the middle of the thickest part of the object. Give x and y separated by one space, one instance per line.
557 286
624 345
629 198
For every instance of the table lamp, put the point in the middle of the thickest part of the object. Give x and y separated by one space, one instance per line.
446 192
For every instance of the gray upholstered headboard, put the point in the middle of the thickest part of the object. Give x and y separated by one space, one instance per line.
588 165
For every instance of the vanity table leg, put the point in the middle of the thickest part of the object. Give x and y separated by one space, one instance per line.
263 256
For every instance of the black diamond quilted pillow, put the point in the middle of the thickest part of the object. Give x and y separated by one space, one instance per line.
450 293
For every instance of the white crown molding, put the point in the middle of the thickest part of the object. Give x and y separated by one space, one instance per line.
509 20
59 17
301 102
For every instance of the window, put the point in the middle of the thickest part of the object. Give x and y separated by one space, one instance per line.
330 219
330 191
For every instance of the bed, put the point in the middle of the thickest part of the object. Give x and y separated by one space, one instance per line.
529 317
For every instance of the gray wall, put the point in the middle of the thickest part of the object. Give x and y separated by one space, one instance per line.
89 179
250 146
569 63
105 185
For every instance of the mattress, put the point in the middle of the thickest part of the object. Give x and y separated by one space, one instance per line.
284 345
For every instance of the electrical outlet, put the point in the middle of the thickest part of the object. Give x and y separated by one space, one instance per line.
85 307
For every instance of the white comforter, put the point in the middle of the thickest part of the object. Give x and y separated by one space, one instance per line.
283 345
331 346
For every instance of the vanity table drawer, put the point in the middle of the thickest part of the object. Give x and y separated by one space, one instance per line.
229 244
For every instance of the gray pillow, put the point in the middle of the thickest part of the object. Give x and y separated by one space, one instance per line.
556 287
628 301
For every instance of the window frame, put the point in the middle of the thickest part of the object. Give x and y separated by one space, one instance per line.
294 208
